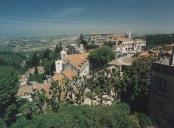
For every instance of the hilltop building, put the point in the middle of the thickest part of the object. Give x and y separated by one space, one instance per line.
126 44
98 38
123 43
71 65
162 91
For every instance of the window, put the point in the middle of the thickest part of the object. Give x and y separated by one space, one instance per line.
163 85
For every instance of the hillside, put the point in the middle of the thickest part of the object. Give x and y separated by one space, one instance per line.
159 39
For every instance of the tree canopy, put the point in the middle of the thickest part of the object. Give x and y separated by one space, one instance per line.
159 39
100 57
8 89
135 83
70 116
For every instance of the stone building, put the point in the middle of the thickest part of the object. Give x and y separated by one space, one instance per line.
162 92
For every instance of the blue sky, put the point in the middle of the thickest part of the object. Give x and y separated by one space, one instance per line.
45 17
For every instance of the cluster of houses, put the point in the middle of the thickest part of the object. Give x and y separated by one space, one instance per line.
67 67
124 44
77 64
74 62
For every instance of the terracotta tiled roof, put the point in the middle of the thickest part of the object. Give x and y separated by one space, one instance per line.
58 77
121 38
139 40
27 89
78 59
68 74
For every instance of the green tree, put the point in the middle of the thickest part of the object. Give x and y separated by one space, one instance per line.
28 108
41 99
110 44
79 86
70 116
49 67
2 123
81 38
58 48
46 53
22 122
115 83
55 91
82 41
8 90
100 57
35 71
37 77
136 88
85 44
92 84
103 87
34 60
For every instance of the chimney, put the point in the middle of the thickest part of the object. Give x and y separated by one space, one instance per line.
171 62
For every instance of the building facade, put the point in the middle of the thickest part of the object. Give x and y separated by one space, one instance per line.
72 65
128 45
123 43
162 92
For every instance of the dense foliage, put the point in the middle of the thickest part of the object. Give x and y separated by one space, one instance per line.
70 116
37 77
13 59
8 90
136 84
160 39
100 57
53 111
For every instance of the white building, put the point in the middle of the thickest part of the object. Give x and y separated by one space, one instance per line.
72 65
123 43
100 38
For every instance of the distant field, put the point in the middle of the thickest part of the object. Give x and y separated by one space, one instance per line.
33 44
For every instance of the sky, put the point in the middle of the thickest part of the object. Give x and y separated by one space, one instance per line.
56 17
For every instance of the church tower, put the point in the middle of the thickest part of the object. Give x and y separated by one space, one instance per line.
63 60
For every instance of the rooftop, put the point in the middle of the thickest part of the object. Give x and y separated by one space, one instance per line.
78 59
127 61
27 89
121 38
68 74
58 77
